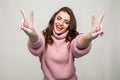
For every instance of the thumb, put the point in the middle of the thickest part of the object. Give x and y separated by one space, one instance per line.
27 30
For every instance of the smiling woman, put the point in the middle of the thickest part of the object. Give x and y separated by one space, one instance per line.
59 44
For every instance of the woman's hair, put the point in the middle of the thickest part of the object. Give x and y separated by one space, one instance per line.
72 33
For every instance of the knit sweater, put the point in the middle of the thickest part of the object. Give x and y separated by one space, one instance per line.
57 60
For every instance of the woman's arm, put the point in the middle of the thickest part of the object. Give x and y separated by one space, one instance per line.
36 41
81 45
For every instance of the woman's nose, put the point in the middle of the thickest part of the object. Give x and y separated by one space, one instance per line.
61 22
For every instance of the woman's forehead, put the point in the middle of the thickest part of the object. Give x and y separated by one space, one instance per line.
64 15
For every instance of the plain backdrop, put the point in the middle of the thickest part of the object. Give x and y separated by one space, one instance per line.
102 62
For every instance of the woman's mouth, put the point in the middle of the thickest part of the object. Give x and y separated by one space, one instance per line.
59 28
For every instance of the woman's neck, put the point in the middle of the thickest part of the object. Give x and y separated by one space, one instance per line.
60 36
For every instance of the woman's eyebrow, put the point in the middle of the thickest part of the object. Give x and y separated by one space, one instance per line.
62 18
59 16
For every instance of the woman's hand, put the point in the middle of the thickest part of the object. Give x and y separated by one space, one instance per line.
97 28
94 33
27 27
27 24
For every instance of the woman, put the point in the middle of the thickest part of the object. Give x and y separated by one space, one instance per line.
59 44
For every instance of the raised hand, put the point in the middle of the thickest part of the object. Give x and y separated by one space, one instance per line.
27 24
97 28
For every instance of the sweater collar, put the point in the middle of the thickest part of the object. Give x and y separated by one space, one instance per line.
61 36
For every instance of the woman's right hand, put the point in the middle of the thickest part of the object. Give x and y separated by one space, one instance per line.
27 27
27 24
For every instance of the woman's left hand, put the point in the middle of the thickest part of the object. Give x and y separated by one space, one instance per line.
97 29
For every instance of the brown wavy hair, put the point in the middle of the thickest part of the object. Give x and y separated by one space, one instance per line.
72 33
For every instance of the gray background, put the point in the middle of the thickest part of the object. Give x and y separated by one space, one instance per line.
17 63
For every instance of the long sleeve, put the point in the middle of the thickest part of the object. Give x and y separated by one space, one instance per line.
37 47
77 49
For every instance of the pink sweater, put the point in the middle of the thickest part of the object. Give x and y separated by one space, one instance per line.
57 60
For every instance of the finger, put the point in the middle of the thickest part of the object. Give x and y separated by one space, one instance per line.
99 28
94 35
101 18
20 28
21 25
31 16
102 31
23 14
24 29
93 20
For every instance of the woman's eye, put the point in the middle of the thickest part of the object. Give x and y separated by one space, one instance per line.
66 22
58 18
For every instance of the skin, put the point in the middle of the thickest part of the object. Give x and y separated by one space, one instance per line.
61 25
61 22
27 27
96 30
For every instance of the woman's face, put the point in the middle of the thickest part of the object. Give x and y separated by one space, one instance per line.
61 22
